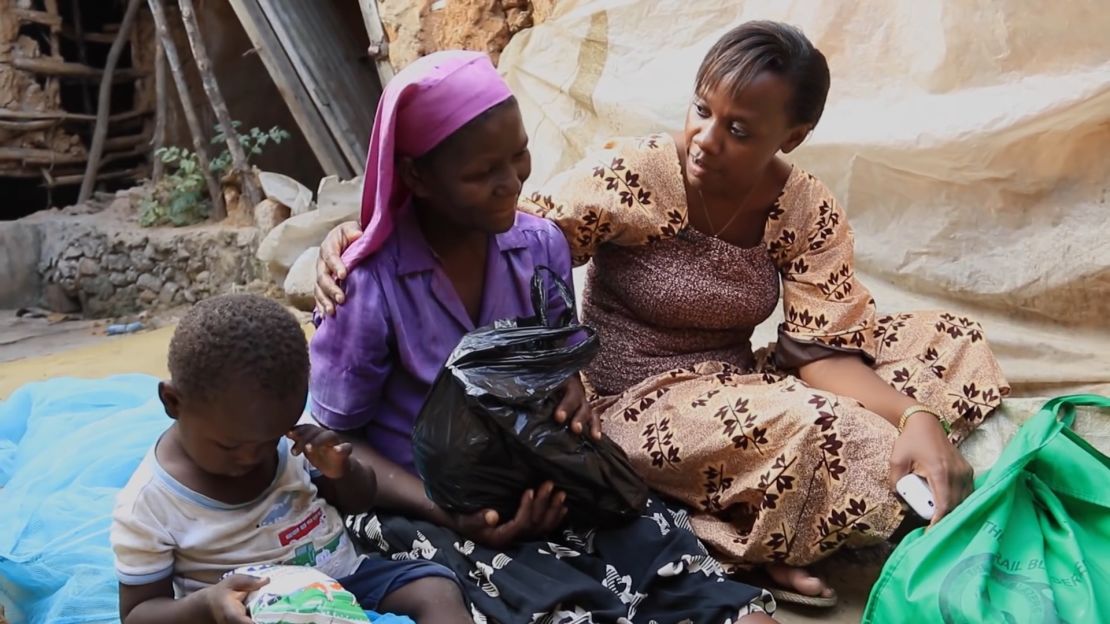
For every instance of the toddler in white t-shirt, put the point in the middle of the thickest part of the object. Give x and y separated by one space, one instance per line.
236 482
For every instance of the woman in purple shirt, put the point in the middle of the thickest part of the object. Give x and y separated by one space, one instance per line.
445 251
374 362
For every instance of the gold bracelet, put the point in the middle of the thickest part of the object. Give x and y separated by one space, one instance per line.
913 409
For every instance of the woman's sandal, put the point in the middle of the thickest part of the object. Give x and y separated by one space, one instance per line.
786 596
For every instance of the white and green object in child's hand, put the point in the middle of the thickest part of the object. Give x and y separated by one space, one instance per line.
300 595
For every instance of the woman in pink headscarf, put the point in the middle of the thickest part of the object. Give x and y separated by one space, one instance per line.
445 251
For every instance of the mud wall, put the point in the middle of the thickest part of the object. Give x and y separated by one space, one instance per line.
417 27
51 64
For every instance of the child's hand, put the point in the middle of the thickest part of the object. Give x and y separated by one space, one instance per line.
323 449
226 599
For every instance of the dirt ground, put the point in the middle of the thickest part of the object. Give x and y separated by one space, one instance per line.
32 350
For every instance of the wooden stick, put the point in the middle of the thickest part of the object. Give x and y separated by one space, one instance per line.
53 86
24 174
37 17
159 140
28 126
55 29
11 173
82 51
39 156
129 140
104 101
247 182
90 37
70 180
178 72
141 150
379 43
63 116
47 66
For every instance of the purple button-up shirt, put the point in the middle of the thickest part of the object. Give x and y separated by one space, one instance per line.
375 360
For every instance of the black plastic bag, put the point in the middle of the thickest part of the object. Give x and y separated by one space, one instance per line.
486 432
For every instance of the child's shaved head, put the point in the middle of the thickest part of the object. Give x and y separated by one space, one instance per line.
243 340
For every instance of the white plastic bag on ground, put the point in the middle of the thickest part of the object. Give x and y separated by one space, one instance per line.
286 191
336 202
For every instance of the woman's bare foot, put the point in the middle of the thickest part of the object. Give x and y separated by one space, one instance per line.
798 580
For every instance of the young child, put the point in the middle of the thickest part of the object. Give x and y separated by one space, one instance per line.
235 482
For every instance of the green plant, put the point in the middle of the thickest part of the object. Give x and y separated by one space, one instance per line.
253 142
180 197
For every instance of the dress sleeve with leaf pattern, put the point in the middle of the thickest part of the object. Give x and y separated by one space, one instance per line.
630 192
827 310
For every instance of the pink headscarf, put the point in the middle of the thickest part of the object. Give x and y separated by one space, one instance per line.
423 105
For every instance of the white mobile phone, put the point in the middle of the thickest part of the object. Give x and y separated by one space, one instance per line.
915 491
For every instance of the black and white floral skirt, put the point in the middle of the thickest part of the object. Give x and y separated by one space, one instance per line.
653 570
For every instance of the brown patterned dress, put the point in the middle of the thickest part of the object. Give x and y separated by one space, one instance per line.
774 469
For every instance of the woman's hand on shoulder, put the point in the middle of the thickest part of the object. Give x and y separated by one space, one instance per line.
575 412
330 269
541 511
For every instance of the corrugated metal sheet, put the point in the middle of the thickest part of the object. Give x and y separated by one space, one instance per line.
322 71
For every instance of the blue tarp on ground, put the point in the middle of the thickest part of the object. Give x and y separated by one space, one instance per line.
67 446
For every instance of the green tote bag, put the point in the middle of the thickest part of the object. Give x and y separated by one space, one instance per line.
1031 545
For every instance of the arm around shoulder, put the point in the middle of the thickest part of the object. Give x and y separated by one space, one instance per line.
630 192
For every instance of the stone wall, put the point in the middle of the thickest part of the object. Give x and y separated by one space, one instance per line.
20 248
105 265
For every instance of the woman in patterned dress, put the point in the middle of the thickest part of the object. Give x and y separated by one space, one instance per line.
784 454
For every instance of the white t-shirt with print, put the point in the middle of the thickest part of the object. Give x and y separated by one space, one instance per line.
162 528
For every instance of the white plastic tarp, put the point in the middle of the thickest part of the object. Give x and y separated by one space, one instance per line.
969 142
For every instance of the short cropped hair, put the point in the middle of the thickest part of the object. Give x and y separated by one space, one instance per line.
755 47
242 340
